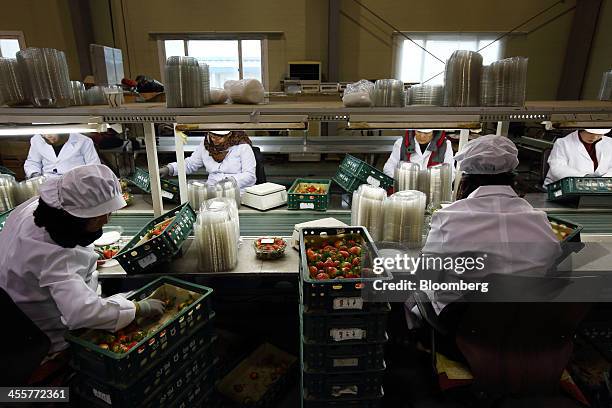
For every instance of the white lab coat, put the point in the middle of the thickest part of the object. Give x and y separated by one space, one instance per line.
52 285
493 220
569 158
78 151
239 163
417 157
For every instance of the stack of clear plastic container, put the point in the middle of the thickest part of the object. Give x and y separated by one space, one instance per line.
197 192
367 209
12 91
27 189
389 93
183 83
95 96
407 176
216 238
404 212
7 192
503 83
226 188
462 79
605 90
46 71
429 95
77 96
436 183
205 76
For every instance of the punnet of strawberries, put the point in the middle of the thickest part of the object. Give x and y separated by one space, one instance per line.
269 247
335 258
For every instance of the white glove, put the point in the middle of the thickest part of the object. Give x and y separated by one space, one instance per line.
164 171
149 308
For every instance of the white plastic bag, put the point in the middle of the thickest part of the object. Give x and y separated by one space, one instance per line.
247 91
358 94
217 96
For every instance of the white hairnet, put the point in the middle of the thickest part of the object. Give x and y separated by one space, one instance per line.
599 131
490 154
85 191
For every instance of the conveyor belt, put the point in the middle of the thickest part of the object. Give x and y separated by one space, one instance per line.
251 224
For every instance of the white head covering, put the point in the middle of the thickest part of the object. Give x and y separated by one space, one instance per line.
490 154
599 131
85 191
220 132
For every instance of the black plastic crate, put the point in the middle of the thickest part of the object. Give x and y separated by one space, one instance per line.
135 258
339 295
107 366
142 179
373 402
357 384
199 348
355 327
333 358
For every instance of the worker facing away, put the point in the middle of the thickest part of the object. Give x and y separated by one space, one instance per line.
223 154
425 147
54 155
48 263
582 153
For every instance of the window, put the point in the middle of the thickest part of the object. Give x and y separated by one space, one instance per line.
415 65
226 59
10 43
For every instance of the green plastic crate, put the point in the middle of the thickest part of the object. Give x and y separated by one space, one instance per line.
317 202
3 218
107 366
573 187
347 181
142 180
4 170
140 258
574 236
363 171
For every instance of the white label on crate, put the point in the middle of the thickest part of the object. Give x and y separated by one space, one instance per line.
558 193
348 303
104 397
306 206
372 181
347 334
147 260
340 390
267 240
166 194
345 362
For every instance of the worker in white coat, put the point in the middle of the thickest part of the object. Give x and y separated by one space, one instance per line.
425 147
585 152
48 263
223 154
489 218
54 155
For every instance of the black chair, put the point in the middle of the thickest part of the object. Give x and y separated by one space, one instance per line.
513 348
24 347
259 168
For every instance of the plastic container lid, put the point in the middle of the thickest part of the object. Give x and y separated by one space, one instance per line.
264 189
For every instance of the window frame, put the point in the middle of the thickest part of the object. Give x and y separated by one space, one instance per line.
13 35
161 50
398 41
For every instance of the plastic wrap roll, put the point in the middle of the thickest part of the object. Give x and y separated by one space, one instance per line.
27 189
462 79
429 95
215 236
367 209
46 71
605 90
389 93
183 83
407 176
197 192
404 212
7 192
12 92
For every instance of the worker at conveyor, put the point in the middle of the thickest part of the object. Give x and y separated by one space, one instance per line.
489 218
54 155
223 154
425 147
48 263
585 152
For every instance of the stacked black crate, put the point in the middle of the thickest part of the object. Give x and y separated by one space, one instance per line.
173 367
342 337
